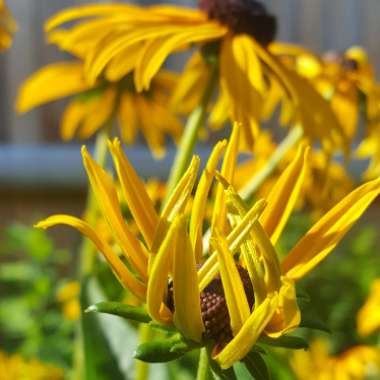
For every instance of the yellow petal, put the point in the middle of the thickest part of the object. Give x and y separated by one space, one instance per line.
236 298
284 196
210 268
72 118
322 238
134 192
159 276
243 342
219 216
119 268
200 198
287 316
106 195
187 315
52 82
181 193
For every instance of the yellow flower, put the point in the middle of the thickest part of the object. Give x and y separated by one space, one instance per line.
68 296
7 26
256 294
368 318
15 367
356 363
95 104
116 39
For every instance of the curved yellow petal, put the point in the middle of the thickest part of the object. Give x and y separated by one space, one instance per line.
246 338
322 238
52 82
158 277
187 315
284 195
181 193
199 204
219 215
236 298
121 271
106 195
135 194
72 118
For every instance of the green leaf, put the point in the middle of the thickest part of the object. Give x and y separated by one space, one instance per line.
164 350
106 340
285 341
137 314
256 366
309 317
220 374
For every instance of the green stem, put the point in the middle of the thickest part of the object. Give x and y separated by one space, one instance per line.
142 368
293 137
204 371
190 135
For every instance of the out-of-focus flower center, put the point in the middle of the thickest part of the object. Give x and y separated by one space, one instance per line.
243 16
215 316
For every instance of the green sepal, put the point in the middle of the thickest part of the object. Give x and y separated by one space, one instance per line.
137 314
164 350
286 341
256 366
222 374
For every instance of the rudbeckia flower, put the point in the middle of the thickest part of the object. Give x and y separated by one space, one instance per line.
7 26
15 367
116 39
358 362
368 317
232 290
96 104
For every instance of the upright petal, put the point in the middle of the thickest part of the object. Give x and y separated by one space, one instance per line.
246 338
200 198
322 238
135 194
236 299
121 271
187 314
284 195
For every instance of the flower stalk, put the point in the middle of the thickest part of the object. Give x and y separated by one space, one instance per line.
204 372
190 135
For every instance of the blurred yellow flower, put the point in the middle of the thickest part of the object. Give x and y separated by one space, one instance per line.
15 367
117 39
254 295
356 363
68 296
368 318
7 26
95 105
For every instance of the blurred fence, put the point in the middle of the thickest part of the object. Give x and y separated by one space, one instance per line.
318 24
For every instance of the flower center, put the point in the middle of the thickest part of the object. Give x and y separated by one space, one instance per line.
243 16
215 316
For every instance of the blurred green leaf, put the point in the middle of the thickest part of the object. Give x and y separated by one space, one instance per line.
256 366
285 341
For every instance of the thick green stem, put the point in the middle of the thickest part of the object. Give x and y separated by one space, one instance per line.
142 368
204 371
190 135
288 143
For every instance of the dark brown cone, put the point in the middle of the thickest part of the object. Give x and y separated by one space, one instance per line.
214 308
243 16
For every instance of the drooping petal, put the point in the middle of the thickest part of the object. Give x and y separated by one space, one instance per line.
284 195
135 194
200 198
246 338
121 271
52 82
219 216
236 299
187 315
106 195
322 238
